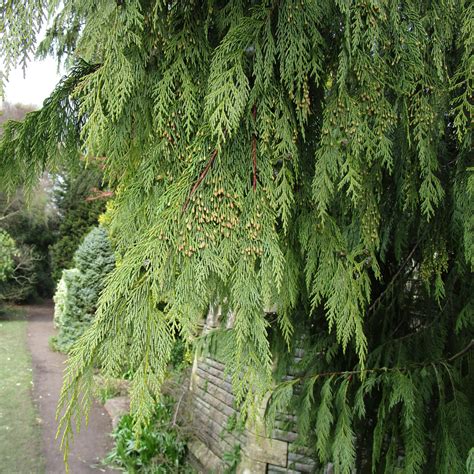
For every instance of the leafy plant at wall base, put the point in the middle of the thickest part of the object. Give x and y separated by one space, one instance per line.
159 448
232 459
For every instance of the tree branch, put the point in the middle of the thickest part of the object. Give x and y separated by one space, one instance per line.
464 351
200 179
392 281
7 216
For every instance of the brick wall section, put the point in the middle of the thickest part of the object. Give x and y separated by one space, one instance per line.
212 409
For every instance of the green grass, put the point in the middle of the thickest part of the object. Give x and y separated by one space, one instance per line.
20 438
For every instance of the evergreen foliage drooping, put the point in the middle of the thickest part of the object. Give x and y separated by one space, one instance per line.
313 155
78 290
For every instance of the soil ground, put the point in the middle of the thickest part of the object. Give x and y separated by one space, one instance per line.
93 442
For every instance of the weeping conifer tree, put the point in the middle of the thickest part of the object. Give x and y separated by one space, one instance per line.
310 156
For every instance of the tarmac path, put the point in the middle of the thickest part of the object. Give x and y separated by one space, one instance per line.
94 441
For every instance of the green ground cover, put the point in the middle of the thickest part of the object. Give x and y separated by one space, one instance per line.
20 448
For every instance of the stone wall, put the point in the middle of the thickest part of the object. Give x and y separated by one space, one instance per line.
213 412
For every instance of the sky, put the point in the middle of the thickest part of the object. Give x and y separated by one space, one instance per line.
37 85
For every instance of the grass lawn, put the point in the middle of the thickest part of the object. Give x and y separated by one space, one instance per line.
20 441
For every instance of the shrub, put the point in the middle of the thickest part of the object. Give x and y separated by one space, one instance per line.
69 317
7 251
60 298
17 263
32 224
22 282
79 288
159 449
94 259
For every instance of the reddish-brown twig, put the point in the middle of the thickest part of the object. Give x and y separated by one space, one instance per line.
200 179
98 194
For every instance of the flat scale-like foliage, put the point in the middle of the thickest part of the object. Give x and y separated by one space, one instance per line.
309 156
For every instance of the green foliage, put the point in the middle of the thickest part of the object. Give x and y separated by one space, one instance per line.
69 315
396 415
178 353
30 218
23 280
60 298
470 462
158 449
95 260
78 290
309 156
20 24
234 424
78 213
232 459
31 222
7 251
180 357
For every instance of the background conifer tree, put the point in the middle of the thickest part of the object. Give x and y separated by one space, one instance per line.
74 196
78 290
312 156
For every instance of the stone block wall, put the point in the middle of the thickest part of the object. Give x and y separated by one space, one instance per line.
211 404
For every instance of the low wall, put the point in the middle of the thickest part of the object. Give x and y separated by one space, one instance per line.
211 404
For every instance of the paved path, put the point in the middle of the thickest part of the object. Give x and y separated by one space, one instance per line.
93 443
